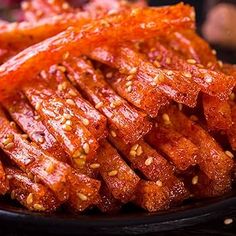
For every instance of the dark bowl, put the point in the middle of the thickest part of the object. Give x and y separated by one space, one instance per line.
129 221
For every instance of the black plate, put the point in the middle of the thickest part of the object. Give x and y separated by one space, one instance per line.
129 221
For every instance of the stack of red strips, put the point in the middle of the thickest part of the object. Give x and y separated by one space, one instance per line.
112 103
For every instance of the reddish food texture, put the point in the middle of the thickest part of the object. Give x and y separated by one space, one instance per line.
107 203
152 197
60 120
4 183
217 113
193 47
37 9
25 65
34 196
212 160
84 191
94 121
31 123
144 158
231 132
179 150
214 83
30 158
121 116
119 177
202 187
170 83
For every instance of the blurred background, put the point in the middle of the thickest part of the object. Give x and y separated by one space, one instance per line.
216 20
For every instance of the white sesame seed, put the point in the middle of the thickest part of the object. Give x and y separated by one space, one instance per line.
169 72
133 71
29 199
95 165
229 154
129 89
135 147
132 153
61 68
159 183
70 102
85 121
109 75
209 64
65 6
193 118
166 117
168 60
130 77
195 180
66 55
191 61
9 176
86 148
180 106
72 93
220 64
208 79
82 196
77 154
113 133
213 51
157 64
37 117
228 221
68 122
187 74
99 105
9 145
113 173
25 5
139 150
149 161
43 74
67 127
39 207
67 116
37 106
129 83
232 96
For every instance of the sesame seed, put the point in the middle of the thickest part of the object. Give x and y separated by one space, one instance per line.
208 79
86 148
232 96
95 165
41 139
68 122
166 117
157 64
43 74
72 93
139 150
113 173
113 133
13 124
132 153
133 71
63 120
129 83
77 154
213 51
37 106
129 89
195 180
169 72
180 106
37 117
9 176
39 207
61 68
50 168
168 60
193 118
209 64
67 127
228 221
149 161
79 162
191 61
159 183
229 154
65 6
70 102
67 116
82 196
200 66
220 63
29 199
9 145
187 74
109 75
130 77
2 69
25 5
99 105
135 147
66 55
85 121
